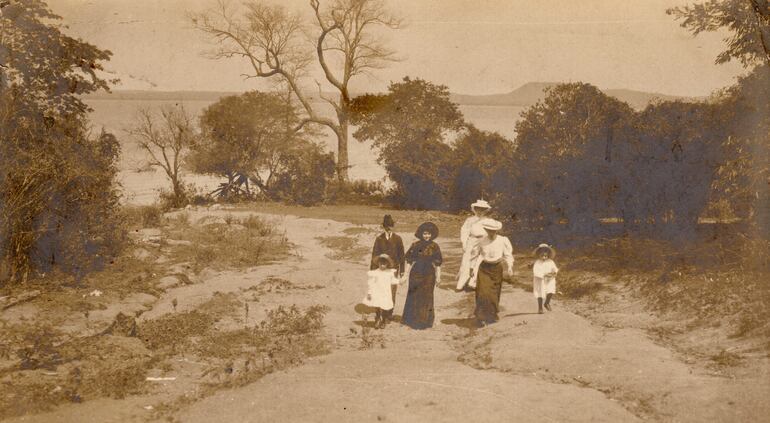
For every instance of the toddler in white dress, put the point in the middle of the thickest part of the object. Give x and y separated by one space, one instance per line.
378 294
544 276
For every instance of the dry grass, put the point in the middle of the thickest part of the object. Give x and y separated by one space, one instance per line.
53 369
238 357
369 338
143 216
273 284
234 245
720 279
406 220
579 285
359 230
344 248
174 331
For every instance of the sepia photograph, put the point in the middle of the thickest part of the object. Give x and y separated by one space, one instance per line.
384 211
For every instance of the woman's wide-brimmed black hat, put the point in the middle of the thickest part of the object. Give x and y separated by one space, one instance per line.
388 222
427 227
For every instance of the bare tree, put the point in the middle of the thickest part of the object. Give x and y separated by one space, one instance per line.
273 41
166 139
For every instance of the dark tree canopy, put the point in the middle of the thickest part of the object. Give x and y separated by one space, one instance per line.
744 173
246 135
251 138
567 145
58 199
483 164
409 127
39 64
748 22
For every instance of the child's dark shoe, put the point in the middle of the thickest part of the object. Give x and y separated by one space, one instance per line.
548 307
540 311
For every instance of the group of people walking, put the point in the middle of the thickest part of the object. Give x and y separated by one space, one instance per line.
487 258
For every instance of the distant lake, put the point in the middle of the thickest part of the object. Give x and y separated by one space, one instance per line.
141 187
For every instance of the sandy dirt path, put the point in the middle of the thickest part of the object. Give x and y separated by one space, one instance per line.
527 367
416 376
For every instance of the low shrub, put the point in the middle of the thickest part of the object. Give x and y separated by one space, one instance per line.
356 192
190 195
220 246
143 216
258 224
173 331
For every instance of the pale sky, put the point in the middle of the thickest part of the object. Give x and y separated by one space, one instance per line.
473 46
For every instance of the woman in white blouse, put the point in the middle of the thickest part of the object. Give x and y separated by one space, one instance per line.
470 234
492 256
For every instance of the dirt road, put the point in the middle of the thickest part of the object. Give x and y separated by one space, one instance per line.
527 367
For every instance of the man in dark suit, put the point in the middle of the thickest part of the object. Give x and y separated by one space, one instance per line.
391 244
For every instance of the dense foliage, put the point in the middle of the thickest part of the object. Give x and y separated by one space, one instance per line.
744 172
251 139
748 23
58 200
409 126
583 163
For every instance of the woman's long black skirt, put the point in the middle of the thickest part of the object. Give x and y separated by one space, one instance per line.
418 307
488 287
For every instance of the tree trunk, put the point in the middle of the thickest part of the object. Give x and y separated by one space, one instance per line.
178 190
342 150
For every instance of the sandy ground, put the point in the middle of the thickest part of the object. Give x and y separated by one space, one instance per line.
527 367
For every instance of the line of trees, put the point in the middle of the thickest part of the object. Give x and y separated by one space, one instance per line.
580 158
251 140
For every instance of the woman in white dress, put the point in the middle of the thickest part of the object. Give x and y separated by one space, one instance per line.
470 234
492 260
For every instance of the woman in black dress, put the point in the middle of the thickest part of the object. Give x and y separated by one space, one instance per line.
424 268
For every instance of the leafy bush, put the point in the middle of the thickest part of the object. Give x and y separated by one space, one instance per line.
143 216
251 140
409 127
306 176
55 216
58 197
188 194
745 167
356 192
483 163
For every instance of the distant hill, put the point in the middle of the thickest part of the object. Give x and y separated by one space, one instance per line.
150 95
159 95
530 93
526 95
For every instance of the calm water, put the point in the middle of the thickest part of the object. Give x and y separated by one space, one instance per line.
141 187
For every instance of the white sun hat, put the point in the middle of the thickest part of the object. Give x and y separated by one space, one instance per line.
491 224
541 247
481 204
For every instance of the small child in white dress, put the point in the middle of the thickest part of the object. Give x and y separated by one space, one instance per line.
379 294
544 276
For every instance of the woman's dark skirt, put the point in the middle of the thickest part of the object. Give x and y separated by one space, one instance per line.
418 308
488 287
